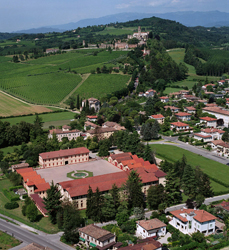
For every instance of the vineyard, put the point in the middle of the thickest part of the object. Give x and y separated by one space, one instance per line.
99 85
49 79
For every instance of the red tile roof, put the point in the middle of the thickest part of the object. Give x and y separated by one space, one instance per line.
179 124
208 119
190 108
42 187
39 203
164 97
144 244
203 136
60 131
182 114
92 116
159 116
199 215
63 153
212 130
216 110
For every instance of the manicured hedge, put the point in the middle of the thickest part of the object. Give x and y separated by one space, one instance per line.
8 194
15 187
11 205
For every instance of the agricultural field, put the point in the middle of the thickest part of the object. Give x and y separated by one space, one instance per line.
46 118
98 85
178 56
10 106
7 241
212 168
116 31
47 80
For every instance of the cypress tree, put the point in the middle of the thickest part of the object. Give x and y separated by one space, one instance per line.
78 102
115 196
90 203
189 182
98 205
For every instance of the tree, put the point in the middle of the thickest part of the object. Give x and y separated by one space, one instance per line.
108 209
97 206
78 102
104 150
189 182
31 212
115 196
225 136
155 196
4 166
139 213
71 221
198 236
199 200
90 203
149 154
52 202
172 188
133 187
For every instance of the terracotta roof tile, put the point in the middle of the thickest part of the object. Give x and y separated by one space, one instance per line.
159 116
151 224
182 114
180 124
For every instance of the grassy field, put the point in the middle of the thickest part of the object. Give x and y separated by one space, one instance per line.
44 224
116 31
212 168
99 85
52 117
7 241
178 56
171 90
10 106
47 80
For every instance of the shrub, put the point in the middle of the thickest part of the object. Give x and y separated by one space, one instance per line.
11 205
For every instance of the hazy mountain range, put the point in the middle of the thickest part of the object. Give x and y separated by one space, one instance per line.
187 18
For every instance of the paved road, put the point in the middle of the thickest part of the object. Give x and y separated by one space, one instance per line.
192 149
27 237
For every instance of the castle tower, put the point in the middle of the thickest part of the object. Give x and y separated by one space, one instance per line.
139 30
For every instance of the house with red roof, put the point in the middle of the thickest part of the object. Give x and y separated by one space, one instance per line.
190 110
172 108
219 113
150 93
144 244
160 118
209 134
164 99
179 126
209 121
205 138
92 118
183 116
189 221
150 228
220 146
63 157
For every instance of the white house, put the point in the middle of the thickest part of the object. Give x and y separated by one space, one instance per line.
214 132
183 116
93 103
209 121
64 132
220 146
219 114
172 108
150 228
190 110
95 236
179 126
205 138
164 99
92 118
189 221
150 93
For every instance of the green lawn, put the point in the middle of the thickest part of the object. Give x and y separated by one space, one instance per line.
117 31
7 241
171 90
98 85
51 117
44 224
69 175
9 149
212 168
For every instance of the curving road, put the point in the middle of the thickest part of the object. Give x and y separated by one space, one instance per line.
27 237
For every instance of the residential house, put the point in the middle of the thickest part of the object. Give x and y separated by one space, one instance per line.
93 103
214 132
100 132
176 95
144 244
202 101
220 147
64 132
204 137
113 125
189 221
183 116
63 157
150 93
164 99
172 108
204 87
140 94
191 98
95 236
92 118
209 121
224 205
190 110
51 50
150 228
221 82
160 118
19 166
39 202
89 125
179 126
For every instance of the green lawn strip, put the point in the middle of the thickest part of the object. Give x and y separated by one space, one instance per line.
212 168
45 118
3 218
43 224
69 175
169 90
98 85
7 241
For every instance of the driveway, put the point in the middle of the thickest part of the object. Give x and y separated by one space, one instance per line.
59 174
164 240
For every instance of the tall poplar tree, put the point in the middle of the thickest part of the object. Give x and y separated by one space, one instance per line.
90 203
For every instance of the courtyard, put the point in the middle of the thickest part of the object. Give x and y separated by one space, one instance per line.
59 174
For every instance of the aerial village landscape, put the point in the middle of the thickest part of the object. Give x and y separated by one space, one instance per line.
115 136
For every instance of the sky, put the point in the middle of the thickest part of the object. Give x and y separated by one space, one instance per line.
25 14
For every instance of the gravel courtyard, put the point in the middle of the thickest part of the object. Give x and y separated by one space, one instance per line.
59 174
